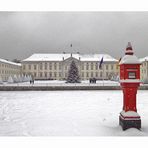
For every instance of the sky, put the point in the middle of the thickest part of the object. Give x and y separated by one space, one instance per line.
25 33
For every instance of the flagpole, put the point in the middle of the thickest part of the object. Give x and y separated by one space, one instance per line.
103 73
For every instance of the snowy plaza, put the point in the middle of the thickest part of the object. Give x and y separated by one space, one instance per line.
79 84
67 113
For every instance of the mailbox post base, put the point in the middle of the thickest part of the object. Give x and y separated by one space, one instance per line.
127 122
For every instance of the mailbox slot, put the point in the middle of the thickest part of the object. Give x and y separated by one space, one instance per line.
132 75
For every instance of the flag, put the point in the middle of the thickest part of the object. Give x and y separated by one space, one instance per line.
100 65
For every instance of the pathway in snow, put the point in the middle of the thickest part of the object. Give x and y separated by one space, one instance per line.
67 113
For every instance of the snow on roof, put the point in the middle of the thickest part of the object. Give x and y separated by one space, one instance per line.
59 57
143 59
49 57
129 59
97 57
9 62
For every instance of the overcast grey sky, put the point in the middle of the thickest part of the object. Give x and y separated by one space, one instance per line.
25 33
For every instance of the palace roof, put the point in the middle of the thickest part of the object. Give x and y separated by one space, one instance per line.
143 59
9 62
59 57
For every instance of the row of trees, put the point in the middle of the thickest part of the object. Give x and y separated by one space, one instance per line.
18 78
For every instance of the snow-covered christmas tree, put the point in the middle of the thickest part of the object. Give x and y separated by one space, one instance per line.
10 79
15 79
73 74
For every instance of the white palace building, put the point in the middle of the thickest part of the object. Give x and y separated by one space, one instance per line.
8 68
144 68
55 66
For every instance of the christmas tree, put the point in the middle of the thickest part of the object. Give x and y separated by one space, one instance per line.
73 74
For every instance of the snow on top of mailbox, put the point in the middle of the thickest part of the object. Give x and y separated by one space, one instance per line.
130 114
130 59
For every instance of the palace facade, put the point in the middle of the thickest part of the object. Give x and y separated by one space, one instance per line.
8 69
56 66
144 68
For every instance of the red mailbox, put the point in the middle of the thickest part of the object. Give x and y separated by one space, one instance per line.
129 81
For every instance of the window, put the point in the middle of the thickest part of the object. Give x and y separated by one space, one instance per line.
40 66
50 66
55 74
101 74
96 74
35 74
45 66
50 74
40 74
96 66
82 66
34 67
82 74
24 67
91 74
87 74
106 67
117 66
112 67
87 66
132 75
55 66
91 66
29 67
45 74
59 66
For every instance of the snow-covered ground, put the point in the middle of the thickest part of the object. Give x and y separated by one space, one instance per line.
67 113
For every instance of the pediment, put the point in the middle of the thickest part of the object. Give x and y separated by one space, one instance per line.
70 59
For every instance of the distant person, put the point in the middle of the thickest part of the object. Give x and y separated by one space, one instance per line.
31 81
